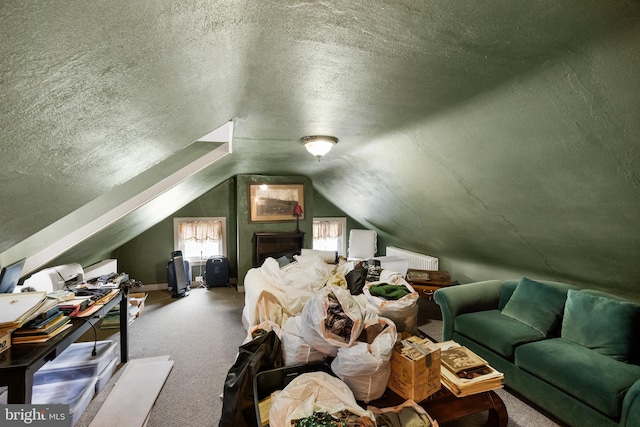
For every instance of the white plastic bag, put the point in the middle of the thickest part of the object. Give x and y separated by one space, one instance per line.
315 313
312 392
266 326
295 349
419 410
365 367
403 312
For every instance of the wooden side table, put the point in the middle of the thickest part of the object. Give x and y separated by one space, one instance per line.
426 282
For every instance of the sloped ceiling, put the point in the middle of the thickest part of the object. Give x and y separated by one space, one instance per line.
496 133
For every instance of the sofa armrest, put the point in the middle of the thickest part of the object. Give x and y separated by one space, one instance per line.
460 299
631 407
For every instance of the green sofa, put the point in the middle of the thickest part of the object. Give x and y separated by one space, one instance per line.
573 352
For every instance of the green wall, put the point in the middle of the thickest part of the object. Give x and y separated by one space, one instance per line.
145 257
246 229
324 208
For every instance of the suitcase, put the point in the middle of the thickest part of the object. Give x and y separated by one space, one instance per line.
171 277
217 271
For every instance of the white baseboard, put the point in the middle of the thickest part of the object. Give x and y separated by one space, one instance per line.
165 286
152 287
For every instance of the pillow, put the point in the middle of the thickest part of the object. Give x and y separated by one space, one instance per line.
600 323
330 257
536 304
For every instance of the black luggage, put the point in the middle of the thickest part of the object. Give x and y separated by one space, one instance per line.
181 287
217 271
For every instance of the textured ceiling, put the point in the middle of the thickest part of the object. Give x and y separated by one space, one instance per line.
492 132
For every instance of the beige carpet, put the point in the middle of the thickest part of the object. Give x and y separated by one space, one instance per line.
201 333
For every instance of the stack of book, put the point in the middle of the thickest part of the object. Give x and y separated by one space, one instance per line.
463 372
17 309
47 323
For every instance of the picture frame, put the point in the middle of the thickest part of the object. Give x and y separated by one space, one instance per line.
274 202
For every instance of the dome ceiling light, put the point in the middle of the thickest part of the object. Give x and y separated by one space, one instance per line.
319 145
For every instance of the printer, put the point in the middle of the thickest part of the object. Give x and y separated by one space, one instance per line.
54 278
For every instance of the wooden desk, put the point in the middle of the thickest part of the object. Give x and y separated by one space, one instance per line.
426 282
20 362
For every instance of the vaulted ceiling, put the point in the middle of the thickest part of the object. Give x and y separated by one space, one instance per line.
497 133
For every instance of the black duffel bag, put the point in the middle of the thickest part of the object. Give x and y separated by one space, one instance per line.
260 354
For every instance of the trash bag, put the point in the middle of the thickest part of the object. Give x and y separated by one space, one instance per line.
407 413
295 349
260 354
332 318
364 366
403 312
262 328
309 393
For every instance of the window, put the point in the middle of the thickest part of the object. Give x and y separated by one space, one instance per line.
200 238
329 234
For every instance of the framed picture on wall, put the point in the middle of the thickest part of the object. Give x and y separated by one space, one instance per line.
275 202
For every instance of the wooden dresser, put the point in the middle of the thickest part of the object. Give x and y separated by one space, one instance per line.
275 245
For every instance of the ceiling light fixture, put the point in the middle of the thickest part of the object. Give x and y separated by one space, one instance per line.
319 145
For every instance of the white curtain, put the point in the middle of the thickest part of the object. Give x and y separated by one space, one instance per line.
326 229
201 231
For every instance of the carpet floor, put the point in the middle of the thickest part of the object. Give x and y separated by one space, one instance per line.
202 333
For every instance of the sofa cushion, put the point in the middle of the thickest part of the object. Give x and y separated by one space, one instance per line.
595 379
536 304
600 323
495 331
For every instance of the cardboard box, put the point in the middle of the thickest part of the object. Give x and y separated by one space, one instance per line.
415 374
5 342
137 299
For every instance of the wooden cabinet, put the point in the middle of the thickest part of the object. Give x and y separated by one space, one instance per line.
275 245
426 282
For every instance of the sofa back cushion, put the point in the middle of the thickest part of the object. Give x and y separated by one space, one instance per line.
506 290
602 323
538 305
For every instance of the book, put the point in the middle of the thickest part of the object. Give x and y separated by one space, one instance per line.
40 324
52 311
46 329
474 379
39 338
459 358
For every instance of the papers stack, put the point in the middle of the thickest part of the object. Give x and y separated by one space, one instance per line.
18 308
463 372
45 322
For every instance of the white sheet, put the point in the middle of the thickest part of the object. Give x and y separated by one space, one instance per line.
274 294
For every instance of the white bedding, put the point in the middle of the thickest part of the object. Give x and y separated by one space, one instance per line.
275 294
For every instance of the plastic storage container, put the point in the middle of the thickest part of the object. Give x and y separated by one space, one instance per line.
76 362
266 382
76 393
106 373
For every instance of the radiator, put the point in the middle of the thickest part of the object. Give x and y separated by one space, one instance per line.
416 260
